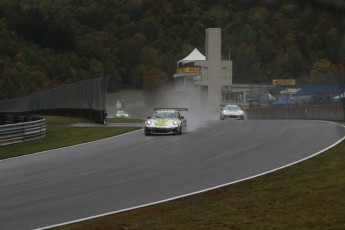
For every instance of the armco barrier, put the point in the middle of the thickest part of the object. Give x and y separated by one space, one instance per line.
329 113
15 129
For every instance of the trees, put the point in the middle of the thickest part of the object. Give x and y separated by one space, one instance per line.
65 41
322 66
31 24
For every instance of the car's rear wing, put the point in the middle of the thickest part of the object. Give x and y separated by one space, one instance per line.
177 109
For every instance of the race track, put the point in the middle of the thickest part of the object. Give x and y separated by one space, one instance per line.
131 170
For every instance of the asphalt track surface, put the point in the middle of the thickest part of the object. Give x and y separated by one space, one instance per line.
131 170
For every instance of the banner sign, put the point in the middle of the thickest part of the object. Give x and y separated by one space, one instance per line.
284 82
189 70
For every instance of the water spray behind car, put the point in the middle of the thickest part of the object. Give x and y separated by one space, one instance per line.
195 100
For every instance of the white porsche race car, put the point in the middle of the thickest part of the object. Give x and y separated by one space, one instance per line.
166 121
231 111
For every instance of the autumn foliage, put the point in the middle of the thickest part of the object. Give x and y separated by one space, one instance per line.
44 44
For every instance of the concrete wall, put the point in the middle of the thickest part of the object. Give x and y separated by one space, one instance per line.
329 113
213 55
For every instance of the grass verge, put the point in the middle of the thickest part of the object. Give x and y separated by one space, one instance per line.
59 120
124 120
309 195
60 134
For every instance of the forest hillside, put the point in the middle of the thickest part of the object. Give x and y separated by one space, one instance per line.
48 43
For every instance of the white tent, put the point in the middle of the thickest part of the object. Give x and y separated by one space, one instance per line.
195 55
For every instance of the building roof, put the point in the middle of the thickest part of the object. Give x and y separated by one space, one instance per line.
195 55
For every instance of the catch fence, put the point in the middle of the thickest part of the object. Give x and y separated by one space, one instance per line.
307 91
82 99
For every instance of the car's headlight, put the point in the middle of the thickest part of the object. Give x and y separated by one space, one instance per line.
175 122
149 122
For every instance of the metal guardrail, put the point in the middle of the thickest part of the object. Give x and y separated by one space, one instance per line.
16 129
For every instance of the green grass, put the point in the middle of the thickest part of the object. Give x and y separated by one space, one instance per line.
124 120
309 195
57 120
60 134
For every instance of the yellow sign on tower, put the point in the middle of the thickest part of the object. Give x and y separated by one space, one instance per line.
284 82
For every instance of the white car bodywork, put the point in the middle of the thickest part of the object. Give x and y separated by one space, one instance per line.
121 113
166 121
231 111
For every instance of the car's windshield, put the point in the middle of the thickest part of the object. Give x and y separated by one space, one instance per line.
165 114
232 107
121 112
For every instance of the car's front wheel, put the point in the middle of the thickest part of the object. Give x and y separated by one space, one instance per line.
180 131
146 132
